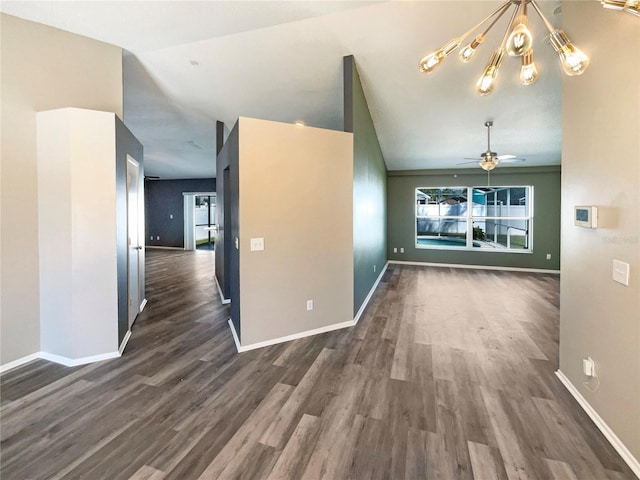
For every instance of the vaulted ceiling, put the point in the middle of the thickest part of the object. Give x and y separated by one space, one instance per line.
188 64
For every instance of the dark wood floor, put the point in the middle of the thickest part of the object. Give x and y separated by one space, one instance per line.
448 375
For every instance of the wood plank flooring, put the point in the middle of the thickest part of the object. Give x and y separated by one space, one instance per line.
448 375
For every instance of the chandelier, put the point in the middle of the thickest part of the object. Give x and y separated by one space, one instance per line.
631 6
516 42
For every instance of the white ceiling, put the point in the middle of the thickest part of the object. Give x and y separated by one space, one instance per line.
282 60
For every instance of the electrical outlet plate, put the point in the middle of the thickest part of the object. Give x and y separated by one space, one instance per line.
257 244
621 272
309 305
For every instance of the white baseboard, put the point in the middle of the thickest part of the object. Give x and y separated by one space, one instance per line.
368 298
69 362
142 305
288 338
224 301
74 362
615 442
125 340
476 267
19 362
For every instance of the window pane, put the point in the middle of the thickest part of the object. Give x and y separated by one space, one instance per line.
441 201
446 232
500 201
501 233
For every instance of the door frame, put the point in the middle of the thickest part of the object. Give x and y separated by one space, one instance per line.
131 317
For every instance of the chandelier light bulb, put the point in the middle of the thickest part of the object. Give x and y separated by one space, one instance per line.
488 79
520 39
467 52
574 61
633 7
528 72
432 61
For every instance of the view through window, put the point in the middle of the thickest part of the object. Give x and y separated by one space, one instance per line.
488 218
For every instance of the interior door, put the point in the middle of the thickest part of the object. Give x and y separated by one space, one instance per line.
133 260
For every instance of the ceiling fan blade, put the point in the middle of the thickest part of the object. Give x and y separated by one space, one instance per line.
468 163
513 160
505 157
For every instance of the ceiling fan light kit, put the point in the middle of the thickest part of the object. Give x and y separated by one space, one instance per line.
517 42
490 159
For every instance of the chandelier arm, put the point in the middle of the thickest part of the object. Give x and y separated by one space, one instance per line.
509 28
504 7
547 24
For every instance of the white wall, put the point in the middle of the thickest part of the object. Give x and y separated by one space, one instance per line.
77 228
42 68
601 166
296 192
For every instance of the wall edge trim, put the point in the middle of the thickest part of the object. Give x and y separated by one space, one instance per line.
609 434
74 362
370 294
225 301
475 267
288 338
125 340
19 362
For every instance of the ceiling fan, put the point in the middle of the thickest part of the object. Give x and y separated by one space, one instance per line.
490 160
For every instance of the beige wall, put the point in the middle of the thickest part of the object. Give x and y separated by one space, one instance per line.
42 68
296 191
601 166
77 228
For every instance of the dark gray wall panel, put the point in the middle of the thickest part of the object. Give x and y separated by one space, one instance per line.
163 198
369 188
126 144
546 221
228 155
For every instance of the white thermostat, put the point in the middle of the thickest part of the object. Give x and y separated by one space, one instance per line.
586 217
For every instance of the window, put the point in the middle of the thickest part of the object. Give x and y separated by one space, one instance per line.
486 218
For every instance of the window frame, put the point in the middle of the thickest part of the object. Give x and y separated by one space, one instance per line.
470 218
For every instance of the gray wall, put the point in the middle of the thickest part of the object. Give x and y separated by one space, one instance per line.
601 166
126 144
163 198
227 155
546 223
369 188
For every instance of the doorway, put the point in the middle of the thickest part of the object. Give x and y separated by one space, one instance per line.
134 256
200 226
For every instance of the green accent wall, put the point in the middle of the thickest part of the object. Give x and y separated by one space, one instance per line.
369 188
401 187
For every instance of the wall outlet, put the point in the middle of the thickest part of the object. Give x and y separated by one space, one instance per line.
171 216
309 305
158 237
548 256
395 249
588 367
621 272
151 237
257 244
401 249
374 269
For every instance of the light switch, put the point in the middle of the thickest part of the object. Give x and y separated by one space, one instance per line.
257 244
621 272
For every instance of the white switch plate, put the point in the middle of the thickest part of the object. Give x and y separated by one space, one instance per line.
621 272
588 367
395 249
401 249
548 256
309 305
257 244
